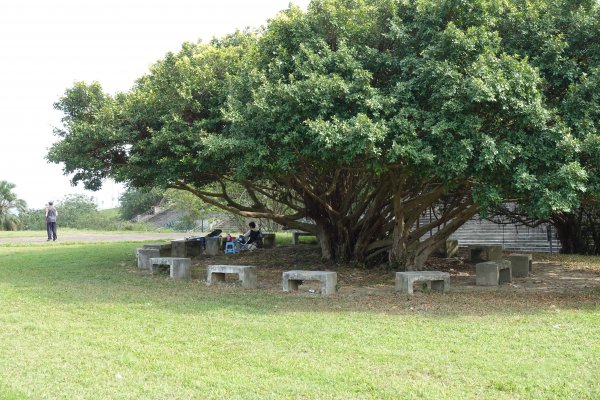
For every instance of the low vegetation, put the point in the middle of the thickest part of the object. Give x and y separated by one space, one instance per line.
80 321
80 212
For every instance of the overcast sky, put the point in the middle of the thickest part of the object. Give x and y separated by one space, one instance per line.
45 46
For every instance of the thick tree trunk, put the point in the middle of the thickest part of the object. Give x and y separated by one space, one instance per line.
409 250
579 232
343 232
325 241
335 241
569 231
399 258
355 218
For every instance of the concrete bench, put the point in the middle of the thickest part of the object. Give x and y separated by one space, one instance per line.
520 265
268 240
144 255
163 248
296 235
246 274
183 248
435 280
292 279
483 252
493 273
179 268
214 246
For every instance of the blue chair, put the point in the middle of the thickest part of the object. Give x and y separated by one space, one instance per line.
230 248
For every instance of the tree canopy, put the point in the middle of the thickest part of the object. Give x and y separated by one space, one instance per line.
359 115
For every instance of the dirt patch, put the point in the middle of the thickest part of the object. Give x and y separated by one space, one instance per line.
550 284
555 282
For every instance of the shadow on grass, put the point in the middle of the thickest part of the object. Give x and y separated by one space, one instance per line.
105 273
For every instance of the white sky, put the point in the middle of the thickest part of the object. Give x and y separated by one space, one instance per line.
45 46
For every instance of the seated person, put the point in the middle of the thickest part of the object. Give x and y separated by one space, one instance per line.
253 236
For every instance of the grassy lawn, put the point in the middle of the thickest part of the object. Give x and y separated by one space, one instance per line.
282 237
78 321
69 231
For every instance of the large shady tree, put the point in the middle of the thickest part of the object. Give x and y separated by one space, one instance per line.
557 38
356 116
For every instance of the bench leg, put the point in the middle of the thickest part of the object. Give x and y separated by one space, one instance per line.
404 285
181 271
248 278
504 276
487 274
329 285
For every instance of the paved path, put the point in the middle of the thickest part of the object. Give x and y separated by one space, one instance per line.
98 237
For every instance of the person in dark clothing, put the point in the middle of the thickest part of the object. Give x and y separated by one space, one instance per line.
51 215
251 239
252 234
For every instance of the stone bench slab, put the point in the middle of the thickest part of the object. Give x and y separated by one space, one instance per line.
184 248
493 273
246 274
214 246
163 248
179 267
144 255
521 265
435 280
292 279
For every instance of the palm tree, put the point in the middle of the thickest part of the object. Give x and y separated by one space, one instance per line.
9 203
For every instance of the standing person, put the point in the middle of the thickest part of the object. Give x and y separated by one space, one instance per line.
51 215
46 218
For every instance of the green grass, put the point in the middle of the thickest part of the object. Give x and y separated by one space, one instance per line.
63 231
78 321
284 237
